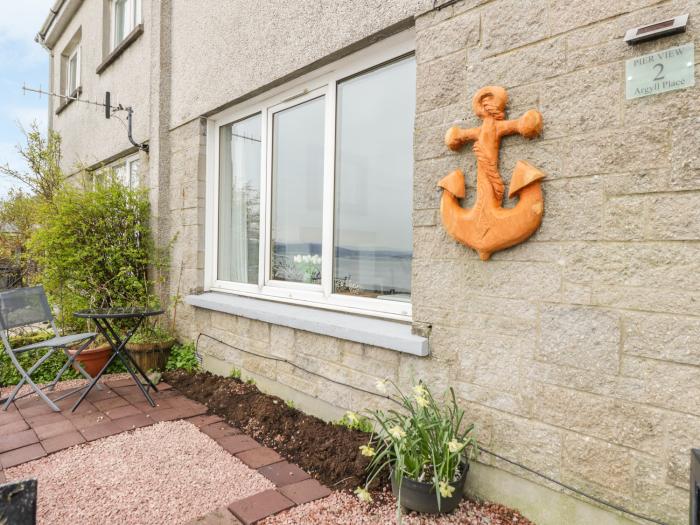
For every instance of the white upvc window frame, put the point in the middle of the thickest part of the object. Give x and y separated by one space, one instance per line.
127 162
69 88
132 19
322 82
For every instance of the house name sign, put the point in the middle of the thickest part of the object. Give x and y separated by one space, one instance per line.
659 72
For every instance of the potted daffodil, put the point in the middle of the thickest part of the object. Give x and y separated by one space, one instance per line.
426 446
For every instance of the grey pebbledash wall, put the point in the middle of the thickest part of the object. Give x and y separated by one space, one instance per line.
576 353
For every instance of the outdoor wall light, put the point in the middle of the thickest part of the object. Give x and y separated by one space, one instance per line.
657 30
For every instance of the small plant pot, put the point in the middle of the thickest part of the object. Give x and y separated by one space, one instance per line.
93 359
421 497
151 356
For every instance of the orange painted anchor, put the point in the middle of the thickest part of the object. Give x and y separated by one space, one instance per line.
487 227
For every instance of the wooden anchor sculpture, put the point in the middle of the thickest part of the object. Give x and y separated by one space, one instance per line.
488 227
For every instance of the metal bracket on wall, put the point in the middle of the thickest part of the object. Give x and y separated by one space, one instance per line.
107 105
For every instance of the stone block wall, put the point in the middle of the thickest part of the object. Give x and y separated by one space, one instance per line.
576 353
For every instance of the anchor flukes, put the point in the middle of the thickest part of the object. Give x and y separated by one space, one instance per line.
454 183
524 174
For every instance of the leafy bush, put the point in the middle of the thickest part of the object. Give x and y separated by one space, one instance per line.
235 373
94 248
182 357
151 333
426 442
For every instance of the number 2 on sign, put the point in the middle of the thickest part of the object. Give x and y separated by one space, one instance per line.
660 69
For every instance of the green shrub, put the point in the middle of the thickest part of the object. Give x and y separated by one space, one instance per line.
94 248
235 373
182 357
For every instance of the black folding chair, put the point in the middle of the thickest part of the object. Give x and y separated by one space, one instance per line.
26 307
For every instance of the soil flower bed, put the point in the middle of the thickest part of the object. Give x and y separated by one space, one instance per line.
330 453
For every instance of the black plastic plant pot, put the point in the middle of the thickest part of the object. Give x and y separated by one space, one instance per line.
421 497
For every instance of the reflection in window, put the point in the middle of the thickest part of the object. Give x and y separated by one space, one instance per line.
373 184
297 192
120 20
239 201
126 15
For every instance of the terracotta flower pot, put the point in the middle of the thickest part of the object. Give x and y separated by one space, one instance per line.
419 496
93 359
151 356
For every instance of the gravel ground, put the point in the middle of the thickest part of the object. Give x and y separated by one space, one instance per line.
336 509
167 473
63 385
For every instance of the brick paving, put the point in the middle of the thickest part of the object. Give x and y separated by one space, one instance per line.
30 430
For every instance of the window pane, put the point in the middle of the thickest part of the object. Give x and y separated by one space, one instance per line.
374 180
297 192
73 74
239 201
121 174
134 166
119 20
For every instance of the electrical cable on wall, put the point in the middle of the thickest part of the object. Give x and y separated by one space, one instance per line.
481 449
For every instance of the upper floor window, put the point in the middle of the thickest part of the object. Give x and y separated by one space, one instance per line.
73 72
126 15
70 67
311 188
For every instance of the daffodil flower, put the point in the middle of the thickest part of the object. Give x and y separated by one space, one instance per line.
397 432
421 401
352 417
381 386
420 390
363 494
446 490
367 450
455 446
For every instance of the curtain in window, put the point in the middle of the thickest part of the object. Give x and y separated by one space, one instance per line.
239 172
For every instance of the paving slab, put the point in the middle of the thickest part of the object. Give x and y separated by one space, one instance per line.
254 508
283 473
305 491
13 427
54 429
18 440
62 441
259 457
103 429
237 443
219 429
123 411
218 517
21 455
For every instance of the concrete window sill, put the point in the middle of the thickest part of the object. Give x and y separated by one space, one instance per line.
383 333
128 40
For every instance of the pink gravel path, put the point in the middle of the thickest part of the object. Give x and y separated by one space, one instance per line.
167 473
343 508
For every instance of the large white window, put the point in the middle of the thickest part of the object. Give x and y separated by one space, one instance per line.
309 191
126 15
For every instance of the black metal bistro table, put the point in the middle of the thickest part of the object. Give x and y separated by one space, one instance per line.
104 319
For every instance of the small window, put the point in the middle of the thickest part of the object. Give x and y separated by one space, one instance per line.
73 73
314 194
126 15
